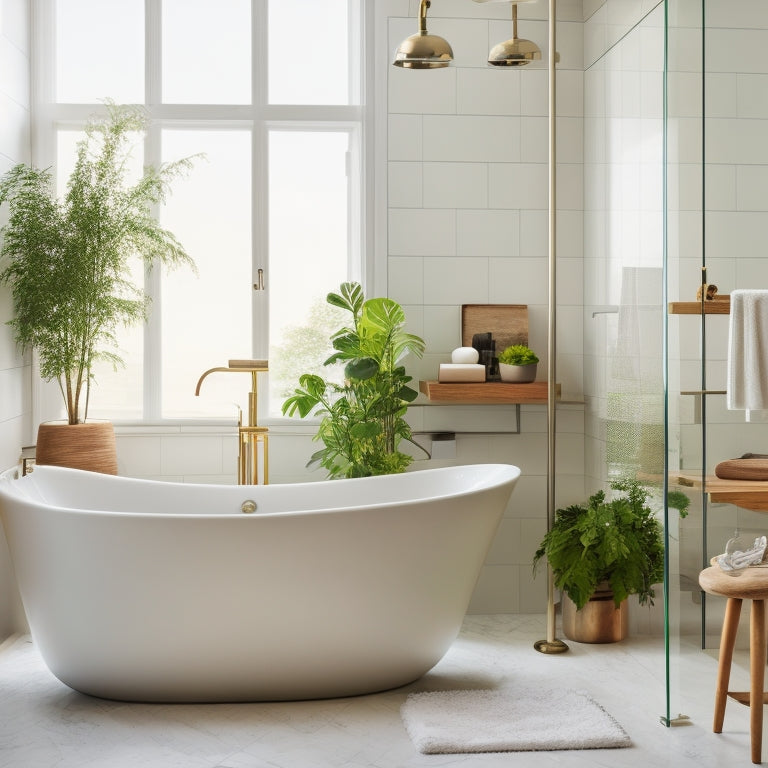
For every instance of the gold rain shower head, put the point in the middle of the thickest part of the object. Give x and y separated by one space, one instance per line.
422 50
515 52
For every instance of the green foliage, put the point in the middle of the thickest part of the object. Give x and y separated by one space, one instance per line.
363 419
68 259
679 501
618 541
305 348
518 354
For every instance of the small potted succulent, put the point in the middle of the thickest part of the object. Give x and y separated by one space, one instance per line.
518 363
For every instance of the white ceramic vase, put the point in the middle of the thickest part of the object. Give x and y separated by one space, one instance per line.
518 374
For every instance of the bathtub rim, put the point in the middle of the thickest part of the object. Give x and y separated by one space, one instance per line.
502 474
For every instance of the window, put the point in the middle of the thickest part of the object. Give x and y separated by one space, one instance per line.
273 213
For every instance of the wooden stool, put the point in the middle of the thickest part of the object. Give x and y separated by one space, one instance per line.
751 584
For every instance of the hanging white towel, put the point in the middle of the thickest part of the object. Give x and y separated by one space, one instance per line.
748 352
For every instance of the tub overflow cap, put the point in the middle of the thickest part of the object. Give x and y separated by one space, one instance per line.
248 506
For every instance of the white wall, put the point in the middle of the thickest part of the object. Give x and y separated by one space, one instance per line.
462 210
15 374
462 205
467 166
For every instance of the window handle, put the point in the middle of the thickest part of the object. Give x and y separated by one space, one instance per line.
259 284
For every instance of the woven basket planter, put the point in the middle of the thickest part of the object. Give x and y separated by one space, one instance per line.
90 446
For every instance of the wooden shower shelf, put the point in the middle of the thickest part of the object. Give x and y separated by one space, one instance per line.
718 306
487 392
749 494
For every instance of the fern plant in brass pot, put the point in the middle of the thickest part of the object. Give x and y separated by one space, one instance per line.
603 551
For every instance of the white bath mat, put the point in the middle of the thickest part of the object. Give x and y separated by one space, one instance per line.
511 720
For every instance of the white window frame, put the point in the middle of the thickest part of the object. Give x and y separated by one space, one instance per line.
48 118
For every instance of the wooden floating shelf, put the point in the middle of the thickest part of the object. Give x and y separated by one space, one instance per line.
717 306
487 392
749 494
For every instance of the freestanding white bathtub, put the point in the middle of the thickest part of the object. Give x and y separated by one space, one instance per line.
151 591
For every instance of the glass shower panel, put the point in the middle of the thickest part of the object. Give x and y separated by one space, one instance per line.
717 215
735 162
685 336
624 263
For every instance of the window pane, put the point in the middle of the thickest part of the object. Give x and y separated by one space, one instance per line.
100 51
117 393
308 236
300 31
207 52
206 317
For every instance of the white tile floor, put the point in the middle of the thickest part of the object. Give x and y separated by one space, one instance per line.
44 724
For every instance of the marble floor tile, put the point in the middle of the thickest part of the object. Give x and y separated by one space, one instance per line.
45 724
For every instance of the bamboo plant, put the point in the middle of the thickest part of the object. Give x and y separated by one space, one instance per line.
67 261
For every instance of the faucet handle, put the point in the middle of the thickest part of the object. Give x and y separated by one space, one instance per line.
257 364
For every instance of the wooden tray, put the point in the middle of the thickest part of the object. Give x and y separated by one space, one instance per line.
507 322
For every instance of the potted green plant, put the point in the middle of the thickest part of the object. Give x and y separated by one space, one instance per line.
363 419
67 263
518 363
600 553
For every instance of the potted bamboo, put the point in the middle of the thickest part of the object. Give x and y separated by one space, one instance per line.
67 263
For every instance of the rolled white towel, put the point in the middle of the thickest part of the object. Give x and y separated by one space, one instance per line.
747 386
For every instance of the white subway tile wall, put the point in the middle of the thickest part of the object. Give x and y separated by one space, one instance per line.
15 369
466 222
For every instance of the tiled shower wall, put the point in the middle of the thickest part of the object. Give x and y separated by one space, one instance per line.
623 245
623 217
729 234
15 373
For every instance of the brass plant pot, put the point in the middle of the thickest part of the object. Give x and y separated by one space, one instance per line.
90 446
599 621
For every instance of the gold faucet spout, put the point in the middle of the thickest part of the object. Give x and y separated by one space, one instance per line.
210 370
253 439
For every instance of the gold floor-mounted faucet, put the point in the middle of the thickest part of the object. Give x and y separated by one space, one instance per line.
253 443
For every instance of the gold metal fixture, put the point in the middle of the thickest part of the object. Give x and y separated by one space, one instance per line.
248 507
551 644
423 51
515 52
27 460
259 284
253 444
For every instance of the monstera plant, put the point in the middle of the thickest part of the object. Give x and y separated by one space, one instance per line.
363 419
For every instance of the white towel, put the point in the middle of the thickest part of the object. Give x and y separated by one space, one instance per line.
748 352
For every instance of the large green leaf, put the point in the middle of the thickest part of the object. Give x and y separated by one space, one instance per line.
361 369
